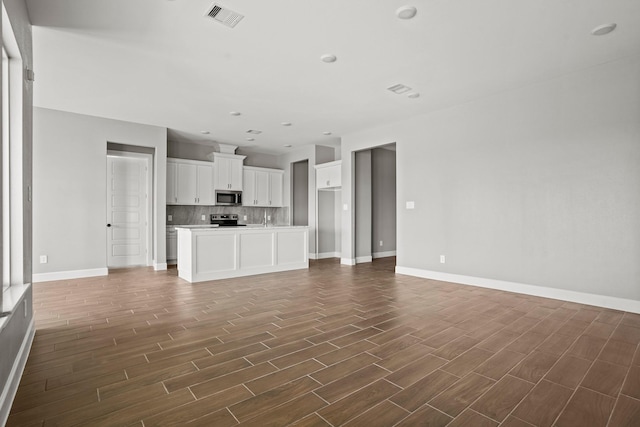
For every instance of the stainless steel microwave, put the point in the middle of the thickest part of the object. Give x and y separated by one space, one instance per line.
228 198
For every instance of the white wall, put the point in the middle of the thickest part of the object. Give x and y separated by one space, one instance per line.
16 330
536 186
69 191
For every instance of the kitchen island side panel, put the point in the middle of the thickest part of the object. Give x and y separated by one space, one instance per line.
221 253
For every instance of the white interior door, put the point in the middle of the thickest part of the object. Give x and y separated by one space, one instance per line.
127 211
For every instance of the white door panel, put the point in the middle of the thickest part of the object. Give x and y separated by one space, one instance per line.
127 213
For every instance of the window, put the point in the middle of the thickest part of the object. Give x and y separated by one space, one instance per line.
6 176
11 167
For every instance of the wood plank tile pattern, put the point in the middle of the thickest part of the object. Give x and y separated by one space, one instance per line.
329 346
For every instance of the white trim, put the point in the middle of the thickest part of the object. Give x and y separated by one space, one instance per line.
325 255
72 274
605 301
347 261
383 254
159 266
312 255
11 386
363 259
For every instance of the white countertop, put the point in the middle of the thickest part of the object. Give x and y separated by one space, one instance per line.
242 227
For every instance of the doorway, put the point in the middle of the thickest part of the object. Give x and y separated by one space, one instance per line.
128 209
375 203
300 193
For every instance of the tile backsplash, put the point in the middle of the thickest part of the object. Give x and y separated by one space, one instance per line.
192 215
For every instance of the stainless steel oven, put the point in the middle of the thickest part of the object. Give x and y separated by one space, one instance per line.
228 198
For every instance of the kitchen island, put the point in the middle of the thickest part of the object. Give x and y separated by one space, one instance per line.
212 253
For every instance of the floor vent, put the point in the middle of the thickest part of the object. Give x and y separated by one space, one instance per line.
223 15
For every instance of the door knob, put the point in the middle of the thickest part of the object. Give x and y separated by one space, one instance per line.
108 225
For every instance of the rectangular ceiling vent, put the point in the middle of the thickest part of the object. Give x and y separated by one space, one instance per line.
224 15
399 89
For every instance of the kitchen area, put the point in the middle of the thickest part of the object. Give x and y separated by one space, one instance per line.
227 219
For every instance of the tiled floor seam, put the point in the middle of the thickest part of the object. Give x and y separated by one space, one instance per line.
585 375
626 378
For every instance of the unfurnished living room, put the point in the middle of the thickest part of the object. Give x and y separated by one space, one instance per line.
320 213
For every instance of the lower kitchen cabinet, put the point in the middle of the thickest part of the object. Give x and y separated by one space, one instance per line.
172 245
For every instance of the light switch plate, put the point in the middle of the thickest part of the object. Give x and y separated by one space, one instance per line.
169 217
411 205
204 217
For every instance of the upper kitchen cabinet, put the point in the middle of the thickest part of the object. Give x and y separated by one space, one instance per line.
227 171
262 187
329 175
172 182
189 182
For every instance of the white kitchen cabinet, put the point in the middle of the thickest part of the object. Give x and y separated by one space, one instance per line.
329 175
172 183
189 182
276 184
227 171
172 244
262 187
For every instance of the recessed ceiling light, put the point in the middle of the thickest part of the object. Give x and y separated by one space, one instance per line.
601 30
285 124
328 58
204 132
288 145
414 95
254 132
406 12
235 113
250 139
326 133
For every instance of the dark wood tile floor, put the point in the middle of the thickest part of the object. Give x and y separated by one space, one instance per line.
334 345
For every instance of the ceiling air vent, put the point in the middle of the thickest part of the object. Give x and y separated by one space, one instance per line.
399 89
224 15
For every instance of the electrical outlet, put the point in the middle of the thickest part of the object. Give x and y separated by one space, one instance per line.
380 242
44 259
441 259
268 217
245 217
169 217
411 205
204 217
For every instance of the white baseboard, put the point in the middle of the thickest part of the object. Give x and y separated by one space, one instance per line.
325 255
348 261
615 303
72 274
11 387
159 266
383 254
363 259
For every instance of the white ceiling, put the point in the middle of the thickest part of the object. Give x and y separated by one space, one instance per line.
164 63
